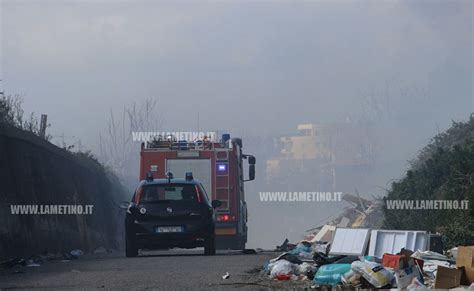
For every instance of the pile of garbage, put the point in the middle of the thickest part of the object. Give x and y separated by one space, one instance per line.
352 258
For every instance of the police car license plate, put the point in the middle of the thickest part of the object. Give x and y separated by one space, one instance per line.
168 229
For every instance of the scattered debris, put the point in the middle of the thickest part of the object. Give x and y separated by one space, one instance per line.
325 234
19 264
447 278
76 254
392 241
350 241
373 272
226 276
100 250
465 259
13 262
285 246
331 274
350 253
282 270
339 262
290 258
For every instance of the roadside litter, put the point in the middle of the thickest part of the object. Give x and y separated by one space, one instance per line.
226 276
34 261
283 270
373 272
285 246
331 274
32 264
13 262
76 254
365 258
19 265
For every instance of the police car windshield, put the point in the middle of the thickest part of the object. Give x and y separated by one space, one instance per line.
168 192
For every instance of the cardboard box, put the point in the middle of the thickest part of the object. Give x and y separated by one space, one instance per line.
466 259
447 278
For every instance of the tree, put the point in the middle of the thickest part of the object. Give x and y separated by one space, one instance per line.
444 170
117 148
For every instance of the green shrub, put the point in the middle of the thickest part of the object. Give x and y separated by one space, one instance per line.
444 170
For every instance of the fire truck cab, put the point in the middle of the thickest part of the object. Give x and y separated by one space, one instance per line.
218 166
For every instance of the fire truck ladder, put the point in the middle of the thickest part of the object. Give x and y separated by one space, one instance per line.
222 179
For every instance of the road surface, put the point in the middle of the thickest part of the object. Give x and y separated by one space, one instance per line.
170 270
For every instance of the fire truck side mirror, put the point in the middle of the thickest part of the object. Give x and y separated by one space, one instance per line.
252 160
251 172
216 203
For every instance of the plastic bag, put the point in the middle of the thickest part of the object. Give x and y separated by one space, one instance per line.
282 267
404 277
304 268
373 272
331 274
301 247
267 267
350 278
320 247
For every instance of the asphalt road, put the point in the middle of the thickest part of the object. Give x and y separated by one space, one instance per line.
170 270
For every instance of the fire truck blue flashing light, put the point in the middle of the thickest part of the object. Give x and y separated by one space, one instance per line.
189 176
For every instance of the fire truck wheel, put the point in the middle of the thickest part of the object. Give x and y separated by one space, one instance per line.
241 244
210 246
131 249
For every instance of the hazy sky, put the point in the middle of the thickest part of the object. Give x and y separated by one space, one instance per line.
258 66
250 67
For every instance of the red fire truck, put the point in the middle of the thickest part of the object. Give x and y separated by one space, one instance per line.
218 166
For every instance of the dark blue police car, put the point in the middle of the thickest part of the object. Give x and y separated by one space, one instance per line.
167 213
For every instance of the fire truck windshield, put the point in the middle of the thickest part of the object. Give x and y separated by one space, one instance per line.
166 192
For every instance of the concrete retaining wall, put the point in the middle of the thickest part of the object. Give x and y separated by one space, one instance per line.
34 171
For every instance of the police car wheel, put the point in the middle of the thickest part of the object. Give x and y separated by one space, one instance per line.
210 246
130 248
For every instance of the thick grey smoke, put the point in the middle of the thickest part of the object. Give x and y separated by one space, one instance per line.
255 69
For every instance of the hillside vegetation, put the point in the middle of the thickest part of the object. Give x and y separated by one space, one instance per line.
444 170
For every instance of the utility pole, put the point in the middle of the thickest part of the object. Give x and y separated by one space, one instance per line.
42 131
